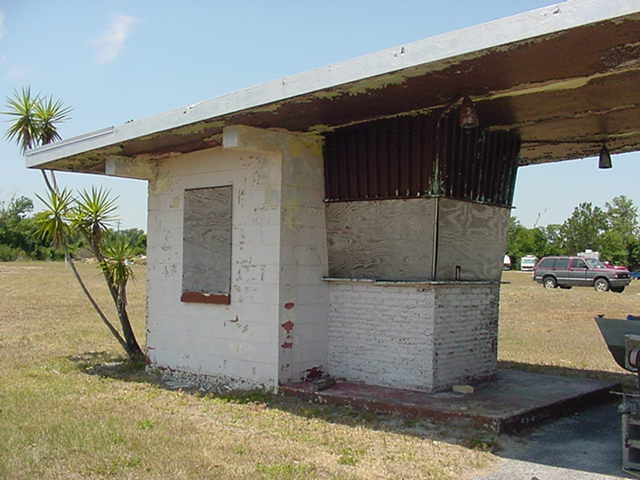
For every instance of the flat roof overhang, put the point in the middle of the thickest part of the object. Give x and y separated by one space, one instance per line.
565 77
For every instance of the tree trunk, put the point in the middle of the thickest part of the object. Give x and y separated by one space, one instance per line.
129 342
98 310
132 347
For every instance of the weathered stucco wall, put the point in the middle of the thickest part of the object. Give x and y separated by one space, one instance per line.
421 337
472 236
387 239
237 343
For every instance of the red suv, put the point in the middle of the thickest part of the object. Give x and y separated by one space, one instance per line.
567 272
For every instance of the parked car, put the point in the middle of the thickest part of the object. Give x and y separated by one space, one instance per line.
635 275
615 267
527 263
567 272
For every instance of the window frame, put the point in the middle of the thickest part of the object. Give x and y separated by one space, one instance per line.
194 296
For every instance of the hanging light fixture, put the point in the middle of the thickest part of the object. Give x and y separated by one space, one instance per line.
468 115
605 158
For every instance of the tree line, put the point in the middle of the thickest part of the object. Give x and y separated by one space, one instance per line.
612 230
21 237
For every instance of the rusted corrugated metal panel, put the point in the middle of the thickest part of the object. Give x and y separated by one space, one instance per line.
380 160
420 156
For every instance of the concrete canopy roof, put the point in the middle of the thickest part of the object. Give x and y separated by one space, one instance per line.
566 77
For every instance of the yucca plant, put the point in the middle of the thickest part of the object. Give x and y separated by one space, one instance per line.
92 215
55 225
34 122
50 112
25 127
118 257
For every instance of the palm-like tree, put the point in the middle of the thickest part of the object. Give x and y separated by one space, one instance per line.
35 122
25 127
93 214
55 225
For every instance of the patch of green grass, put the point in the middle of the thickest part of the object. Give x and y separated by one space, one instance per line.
350 456
145 424
482 444
286 471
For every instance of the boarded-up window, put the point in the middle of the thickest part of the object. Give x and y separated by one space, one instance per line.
206 256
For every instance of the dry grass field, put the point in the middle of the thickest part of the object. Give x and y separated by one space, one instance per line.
553 330
70 408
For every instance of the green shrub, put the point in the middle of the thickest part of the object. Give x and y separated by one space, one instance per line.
9 254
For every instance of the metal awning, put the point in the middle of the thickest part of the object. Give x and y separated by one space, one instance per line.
565 77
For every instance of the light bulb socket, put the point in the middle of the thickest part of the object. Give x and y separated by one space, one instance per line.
468 115
604 161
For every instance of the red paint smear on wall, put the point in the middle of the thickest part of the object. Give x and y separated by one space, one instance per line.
287 345
288 326
289 305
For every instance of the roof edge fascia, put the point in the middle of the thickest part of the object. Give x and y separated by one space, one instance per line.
503 31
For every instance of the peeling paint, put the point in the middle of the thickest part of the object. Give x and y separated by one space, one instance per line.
553 85
288 326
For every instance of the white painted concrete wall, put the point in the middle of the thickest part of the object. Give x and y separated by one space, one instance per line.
304 296
382 335
237 343
276 325
466 333
426 337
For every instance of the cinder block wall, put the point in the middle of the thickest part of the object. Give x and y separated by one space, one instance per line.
234 344
304 296
465 333
276 325
415 337
382 335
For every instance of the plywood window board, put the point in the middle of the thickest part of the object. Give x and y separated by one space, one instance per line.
206 254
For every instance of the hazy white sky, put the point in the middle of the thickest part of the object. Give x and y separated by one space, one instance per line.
118 60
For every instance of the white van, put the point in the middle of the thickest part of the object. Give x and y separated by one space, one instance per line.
528 262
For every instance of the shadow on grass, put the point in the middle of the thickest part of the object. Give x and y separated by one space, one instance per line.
564 443
117 367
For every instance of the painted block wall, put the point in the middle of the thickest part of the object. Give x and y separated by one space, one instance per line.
276 325
466 333
237 343
304 296
424 338
382 335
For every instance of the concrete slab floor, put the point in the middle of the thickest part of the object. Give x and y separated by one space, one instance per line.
583 446
513 400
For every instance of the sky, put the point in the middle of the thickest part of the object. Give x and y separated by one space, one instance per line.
113 61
